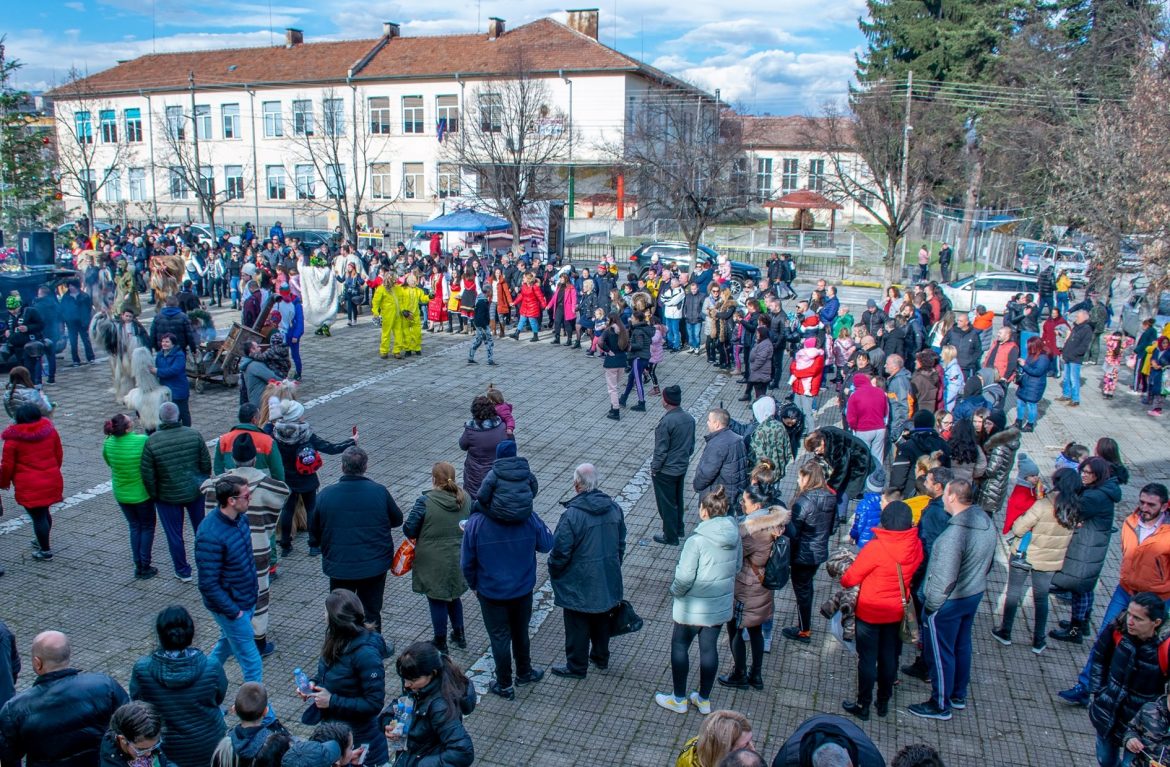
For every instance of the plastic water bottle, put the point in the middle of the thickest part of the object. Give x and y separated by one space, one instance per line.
303 684
404 711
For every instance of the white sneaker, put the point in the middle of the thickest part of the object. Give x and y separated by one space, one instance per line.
701 703
671 703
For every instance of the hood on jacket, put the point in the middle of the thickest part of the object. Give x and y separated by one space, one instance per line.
511 469
1009 437
308 753
177 673
170 311
487 425
766 519
1110 488
110 752
444 500
763 409
247 741
721 531
862 381
592 502
28 432
292 432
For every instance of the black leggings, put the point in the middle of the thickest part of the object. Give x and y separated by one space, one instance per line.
680 660
286 516
42 522
739 648
802 588
755 390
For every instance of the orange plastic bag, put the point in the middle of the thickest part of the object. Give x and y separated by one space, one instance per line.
403 558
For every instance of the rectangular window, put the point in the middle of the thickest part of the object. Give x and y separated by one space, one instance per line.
233 179
84 123
112 188
137 184
491 112
381 181
231 121
305 181
763 177
335 181
273 124
109 126
412 114
175 125
334 116
448 185
816 175
302 118
447 114
276 187
202 122
206 181
178 184
380 115
789 175
412 180
133 118
87 185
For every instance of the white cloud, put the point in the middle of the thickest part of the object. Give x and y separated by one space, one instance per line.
775 81
79 7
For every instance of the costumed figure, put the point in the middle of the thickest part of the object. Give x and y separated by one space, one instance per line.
385 305
166 274
125 291
320 292
408 321
148 394
119 337
440 294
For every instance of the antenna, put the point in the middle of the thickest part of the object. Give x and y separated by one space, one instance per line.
271 40
615 25
153 25
478 29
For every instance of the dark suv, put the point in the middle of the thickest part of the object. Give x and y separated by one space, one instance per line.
679 253
315 238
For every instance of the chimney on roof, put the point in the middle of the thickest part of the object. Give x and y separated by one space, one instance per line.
584 20
495 27
391 29
293 37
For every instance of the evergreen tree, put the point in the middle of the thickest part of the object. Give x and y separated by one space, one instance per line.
27 191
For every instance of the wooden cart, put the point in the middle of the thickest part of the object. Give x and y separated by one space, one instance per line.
219 361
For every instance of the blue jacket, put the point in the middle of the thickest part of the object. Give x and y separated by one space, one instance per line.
296 327
172 373
499 550
227 570
1033 379
867 516
931 524
828 312
509 487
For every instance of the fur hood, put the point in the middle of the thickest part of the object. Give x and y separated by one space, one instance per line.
29 432
292 432
1009 437
766 519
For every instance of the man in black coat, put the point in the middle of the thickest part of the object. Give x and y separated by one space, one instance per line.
921 440
50 311
828 739
724 460
77 311
175 321
9 664
585 566
674 441
60 720
1076 348
965 339
848 461
353 523
1046 287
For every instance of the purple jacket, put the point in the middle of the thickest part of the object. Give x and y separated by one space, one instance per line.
479 440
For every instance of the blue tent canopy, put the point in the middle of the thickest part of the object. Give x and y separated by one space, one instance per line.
464 221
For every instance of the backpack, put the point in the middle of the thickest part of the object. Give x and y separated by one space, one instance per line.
308 460
779 565
687 757
1163 651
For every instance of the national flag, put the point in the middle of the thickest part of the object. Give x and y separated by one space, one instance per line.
441 129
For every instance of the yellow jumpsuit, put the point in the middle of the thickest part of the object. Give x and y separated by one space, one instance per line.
384 304
408 332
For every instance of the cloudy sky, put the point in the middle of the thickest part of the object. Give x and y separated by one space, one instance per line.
785 57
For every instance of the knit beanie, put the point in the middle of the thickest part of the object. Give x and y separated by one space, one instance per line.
506 449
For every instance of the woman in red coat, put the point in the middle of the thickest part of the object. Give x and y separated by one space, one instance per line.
440 294
531 306
879 605
32 462
501 301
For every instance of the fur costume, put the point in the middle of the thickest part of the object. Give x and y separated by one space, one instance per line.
119 342
166 275
319 295
148 395
843 600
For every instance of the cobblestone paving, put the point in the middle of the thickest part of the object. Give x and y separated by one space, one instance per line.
410 414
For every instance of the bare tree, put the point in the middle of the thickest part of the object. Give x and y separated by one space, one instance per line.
93 149
189 163
687 158
513 145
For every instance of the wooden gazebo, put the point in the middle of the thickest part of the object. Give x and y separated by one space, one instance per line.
804 199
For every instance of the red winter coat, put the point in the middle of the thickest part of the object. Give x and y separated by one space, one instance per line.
531 301
868 405
875 570
32 462
808 380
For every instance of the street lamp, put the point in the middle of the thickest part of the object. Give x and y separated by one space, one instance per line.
572 168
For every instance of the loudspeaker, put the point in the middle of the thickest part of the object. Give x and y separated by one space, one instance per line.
36 248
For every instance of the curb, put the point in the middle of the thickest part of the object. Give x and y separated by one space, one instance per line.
861 283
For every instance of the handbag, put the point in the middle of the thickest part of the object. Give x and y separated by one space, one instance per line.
623 620
908 631
403 558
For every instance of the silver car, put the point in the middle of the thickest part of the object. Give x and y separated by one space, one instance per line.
1072 260
990 289
1137 308
1032 256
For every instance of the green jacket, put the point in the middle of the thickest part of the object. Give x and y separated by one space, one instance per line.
175 463
434 523
124 457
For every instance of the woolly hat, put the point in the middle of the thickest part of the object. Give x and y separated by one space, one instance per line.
924 419
871 304
506 449
672 395
876 482
243 449
973 387
763 409
291 410
1027 468
897 516
168 412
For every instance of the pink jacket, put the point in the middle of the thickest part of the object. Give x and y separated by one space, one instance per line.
570 302
868 406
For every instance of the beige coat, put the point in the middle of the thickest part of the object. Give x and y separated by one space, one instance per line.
1049 538
756 533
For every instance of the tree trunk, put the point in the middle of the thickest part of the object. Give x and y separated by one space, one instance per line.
693 249
970 202
892 241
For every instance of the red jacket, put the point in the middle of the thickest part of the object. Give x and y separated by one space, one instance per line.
531 301
808 381
868 405
32 462
880 598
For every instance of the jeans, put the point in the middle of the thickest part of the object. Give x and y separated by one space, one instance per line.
694 329
524 322
141 519
680 657
1017 580
635 379
668 494
42 522
1027 412
171 517
1070 385
482 338
673 339
370 592
1062 303
946 644
309 498
1108 755
808 406
879 647
236 638
584 631
802 588
294 350
77 330
506 621
442 611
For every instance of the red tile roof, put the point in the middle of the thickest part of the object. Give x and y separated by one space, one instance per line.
783 132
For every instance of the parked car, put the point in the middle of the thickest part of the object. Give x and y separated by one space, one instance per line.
203 233
1072 260
67 229
1131 253
1031 254
1138 308
315 238
991 289
679 253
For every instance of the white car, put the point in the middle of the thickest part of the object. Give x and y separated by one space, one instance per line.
990 289
1073 261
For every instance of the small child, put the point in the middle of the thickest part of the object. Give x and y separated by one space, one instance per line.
503 410
737 339
868 513
843 600
657 352
599 322
1027 489
1114 348
1159 361
277 356
1148 733
253 739
1071 457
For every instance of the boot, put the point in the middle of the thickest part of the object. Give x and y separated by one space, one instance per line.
516 336
1074 634
535 337
556 341
656 392
640 407
614 414
756 680
623 399
736 680
441 643
577 344
458 638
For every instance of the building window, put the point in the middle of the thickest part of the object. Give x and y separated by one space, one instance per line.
87 185
233 179
380 115
137 184
448 185
302 118
178 184
381 181
446 115
868 199
305 181
816 175
112 187
231 121
273 124
84 123
790 175
206 181
109 126
412 180
133 118
335 181
763 177
175 124
202 122
491 112
276 188
334 115
412 114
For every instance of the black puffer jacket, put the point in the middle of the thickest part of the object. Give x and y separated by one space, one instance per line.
1090 542
60 720
723 462
173 320
293 436
812 522
1124 675
436 737
848 458
186 688
1000 449
586 561
917 443
641 334
357 682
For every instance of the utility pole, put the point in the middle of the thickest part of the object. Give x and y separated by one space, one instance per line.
198 174
905 190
